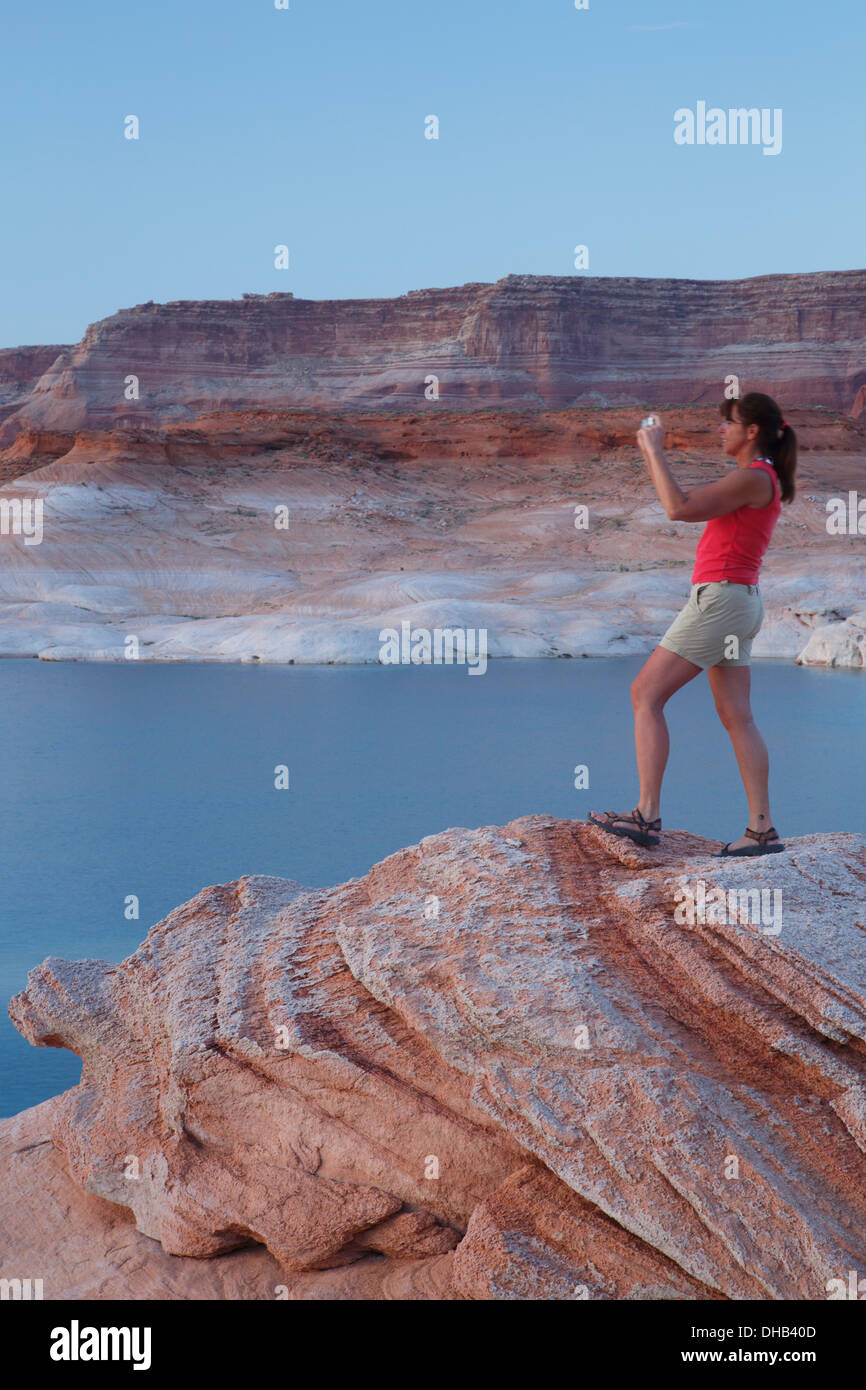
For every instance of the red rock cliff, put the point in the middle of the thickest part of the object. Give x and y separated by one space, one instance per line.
526 341
20 369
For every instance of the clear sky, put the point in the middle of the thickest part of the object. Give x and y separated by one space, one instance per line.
305 127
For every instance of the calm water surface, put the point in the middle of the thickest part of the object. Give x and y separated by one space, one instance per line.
157 780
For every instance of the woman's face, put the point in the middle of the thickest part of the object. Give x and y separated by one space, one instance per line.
735 434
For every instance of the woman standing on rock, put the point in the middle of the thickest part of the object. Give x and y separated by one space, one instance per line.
714 631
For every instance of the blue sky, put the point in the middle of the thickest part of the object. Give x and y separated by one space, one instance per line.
306 127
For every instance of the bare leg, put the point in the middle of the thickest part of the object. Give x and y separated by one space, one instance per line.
662 674
731 686
660 677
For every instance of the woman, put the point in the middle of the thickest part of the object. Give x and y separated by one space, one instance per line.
714 631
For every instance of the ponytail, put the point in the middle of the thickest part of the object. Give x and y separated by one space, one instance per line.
783 456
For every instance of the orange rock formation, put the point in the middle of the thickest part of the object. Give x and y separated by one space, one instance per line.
501 1065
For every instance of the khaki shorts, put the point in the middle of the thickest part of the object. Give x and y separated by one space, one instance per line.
717 625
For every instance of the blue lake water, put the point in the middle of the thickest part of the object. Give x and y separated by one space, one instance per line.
157 780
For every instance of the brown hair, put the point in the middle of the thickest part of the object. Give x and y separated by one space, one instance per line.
776 440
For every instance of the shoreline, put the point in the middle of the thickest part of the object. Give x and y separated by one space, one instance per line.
367 665
287 545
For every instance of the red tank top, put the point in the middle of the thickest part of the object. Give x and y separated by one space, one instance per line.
733 546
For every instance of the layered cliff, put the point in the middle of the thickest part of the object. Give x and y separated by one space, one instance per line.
526 341
525 1062
20 370
161 445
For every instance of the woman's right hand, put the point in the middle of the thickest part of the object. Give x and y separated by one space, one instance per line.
650 437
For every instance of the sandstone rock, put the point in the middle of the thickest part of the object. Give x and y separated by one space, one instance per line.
20 369
535 1240
83 1247
439 520
525 341
837 644
554 1086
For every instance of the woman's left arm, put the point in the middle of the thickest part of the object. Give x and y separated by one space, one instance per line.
742 487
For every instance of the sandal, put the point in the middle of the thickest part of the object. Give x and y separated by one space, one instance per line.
640 835
763 846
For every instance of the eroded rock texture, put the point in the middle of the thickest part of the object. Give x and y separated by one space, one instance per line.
501 1065
466 520
20 370
525 341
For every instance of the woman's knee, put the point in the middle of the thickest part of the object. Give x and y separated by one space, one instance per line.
646 696
734 714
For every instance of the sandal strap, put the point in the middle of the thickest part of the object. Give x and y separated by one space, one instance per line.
635 818
762 836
